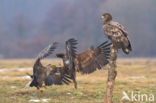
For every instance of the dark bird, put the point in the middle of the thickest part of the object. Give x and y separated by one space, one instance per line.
93 59
116 33
49 74
69 59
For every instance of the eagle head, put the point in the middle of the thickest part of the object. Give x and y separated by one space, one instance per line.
106 17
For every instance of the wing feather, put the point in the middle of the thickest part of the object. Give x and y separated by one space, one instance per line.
91 60
44 53
60 76
71 52
57 77
47 51
118 35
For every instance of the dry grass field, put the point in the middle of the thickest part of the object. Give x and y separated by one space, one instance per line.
138 75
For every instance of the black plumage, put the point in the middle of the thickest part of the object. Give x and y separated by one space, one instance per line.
49 74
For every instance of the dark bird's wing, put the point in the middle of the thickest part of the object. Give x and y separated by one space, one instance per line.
120 27
92 59
70 59
47 51
118 35
71 53
44 53
57 76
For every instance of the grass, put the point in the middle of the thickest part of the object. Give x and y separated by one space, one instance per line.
133 75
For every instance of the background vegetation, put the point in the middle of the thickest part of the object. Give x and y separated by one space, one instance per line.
136 75
26 27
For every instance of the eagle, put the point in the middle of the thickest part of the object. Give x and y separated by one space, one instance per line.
116 33
89 60
49 74
92 59
85 62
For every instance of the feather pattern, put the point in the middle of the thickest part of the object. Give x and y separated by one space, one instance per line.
71 52
39 71
69 59
116 33
57 76
52 75
47 51
44 53
47 74
93 59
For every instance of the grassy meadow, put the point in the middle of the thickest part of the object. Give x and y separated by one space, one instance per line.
138 75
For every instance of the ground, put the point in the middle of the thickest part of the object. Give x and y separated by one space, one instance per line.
134 75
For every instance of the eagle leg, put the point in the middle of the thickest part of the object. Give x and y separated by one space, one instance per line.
74 80
75 83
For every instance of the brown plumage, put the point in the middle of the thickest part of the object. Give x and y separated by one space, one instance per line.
85 62
116 33
49 74
93 59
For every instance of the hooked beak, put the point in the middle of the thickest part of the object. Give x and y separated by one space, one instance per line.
102 17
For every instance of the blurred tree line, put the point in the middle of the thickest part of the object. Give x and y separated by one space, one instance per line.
23 38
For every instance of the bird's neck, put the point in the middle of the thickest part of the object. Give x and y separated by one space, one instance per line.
107 22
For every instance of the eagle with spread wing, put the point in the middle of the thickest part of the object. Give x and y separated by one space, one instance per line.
85 62
93 59
49 74
116 33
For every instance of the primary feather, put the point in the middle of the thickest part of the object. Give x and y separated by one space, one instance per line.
93 59
69 59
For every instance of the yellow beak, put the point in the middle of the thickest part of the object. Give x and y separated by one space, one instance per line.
102 17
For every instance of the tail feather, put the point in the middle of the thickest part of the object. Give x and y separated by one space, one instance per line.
128 49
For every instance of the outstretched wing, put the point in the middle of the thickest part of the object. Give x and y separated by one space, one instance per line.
44 53
92 59
71 53
57 77
47 51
